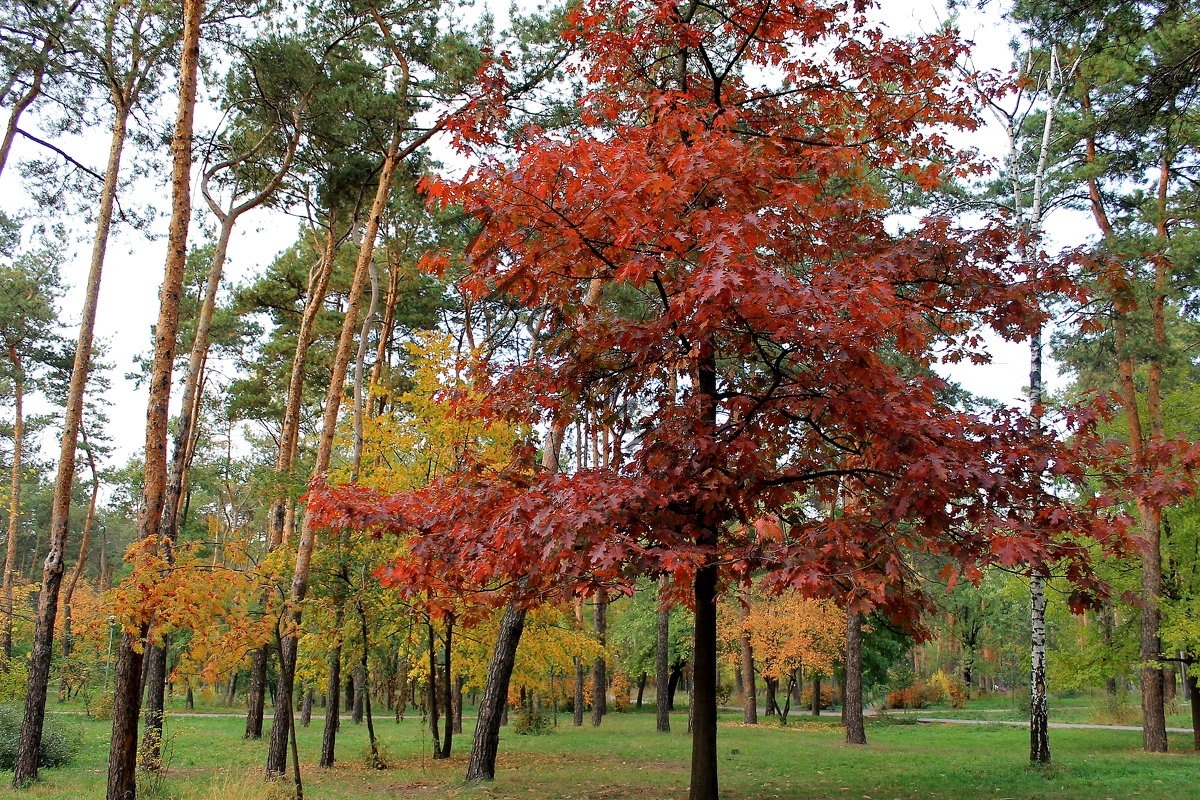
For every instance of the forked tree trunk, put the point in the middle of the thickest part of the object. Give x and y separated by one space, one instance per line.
852 700
25 765
481 766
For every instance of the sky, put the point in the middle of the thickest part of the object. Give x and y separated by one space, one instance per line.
133 270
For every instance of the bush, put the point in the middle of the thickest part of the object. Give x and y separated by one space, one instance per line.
58 745
531 721
99 705
13 677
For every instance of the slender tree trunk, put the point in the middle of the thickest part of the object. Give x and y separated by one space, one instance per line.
599 667
89 521
643 678
580 679
306 708
852 702
25 765
704 684
277 751
333 693
816 695
1039 708
14 500
1193 684
377 761
123 756
481 766
52 39
749 695
155 666
662 671
447 690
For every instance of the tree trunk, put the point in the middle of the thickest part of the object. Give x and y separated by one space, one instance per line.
277 750
816 695
89 521
306 708
580 678
662 673
1193 684
256 693
123 760
14 500
852 701
122 783
704 683
155 665
749 695
599 667
481 766
333 693
377 761
1039 708
25 765
641 689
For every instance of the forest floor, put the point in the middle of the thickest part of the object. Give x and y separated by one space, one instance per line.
625 759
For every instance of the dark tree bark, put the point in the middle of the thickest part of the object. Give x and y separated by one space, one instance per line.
306 708
256 693
334 693
482 764
577 707
852 700
816 695
599 666
662 671
704 682
641 689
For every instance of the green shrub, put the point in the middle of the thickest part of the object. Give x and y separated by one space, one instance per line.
58 745
13 677
99 705
531 722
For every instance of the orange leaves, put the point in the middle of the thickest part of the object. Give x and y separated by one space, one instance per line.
789 632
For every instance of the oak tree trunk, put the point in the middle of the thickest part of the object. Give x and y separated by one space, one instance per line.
852 700
481 766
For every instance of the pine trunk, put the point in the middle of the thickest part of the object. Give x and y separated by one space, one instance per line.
25 765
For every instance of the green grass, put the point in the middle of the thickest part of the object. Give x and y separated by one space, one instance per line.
626 759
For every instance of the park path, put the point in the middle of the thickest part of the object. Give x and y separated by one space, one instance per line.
1023 724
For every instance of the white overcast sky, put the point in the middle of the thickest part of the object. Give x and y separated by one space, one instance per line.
133 270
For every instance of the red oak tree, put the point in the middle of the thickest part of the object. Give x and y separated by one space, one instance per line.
710 250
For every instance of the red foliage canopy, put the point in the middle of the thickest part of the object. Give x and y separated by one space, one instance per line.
763 337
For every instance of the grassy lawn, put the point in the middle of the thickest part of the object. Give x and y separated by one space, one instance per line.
626 758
